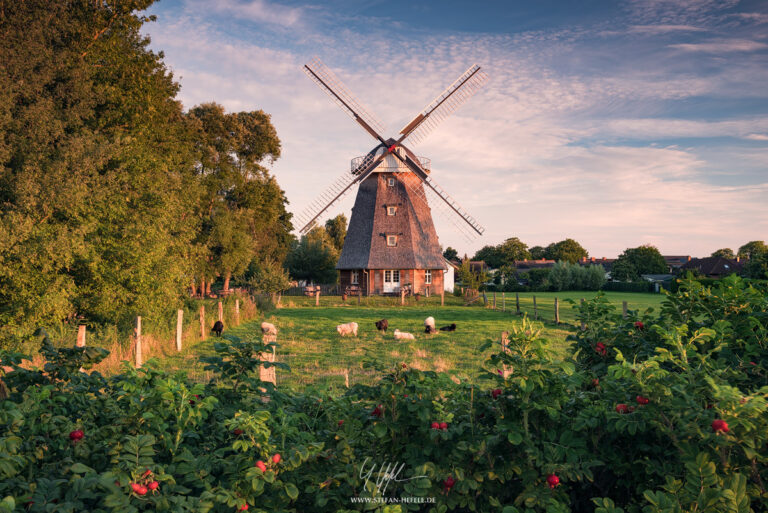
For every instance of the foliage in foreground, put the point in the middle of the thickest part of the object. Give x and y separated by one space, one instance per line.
657 413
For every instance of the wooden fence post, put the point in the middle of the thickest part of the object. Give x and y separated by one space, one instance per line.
503 302
494 300
237 311
179 328
623 309
402 297
221 312
80 336
557 311
268 374
505 348
346 377
583 324
535 309
517 303
359 296
442 297
138 342
202 322
317 297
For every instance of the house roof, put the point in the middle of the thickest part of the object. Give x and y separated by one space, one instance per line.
365 246
607 263
676 260
713 266
534 264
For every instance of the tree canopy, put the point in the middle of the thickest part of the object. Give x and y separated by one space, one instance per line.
336 228
634 262
724 253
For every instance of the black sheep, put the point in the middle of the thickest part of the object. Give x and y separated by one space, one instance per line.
382 325
218 327
452 327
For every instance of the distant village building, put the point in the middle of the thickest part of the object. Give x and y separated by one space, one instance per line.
527 265
713 267
449 276
675 262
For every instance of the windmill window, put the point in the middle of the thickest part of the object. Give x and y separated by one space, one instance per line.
354 278
391 240
428 276
391 211
391 182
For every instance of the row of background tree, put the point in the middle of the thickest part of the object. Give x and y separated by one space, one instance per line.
114 202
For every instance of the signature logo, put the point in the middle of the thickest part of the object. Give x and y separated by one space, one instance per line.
388 472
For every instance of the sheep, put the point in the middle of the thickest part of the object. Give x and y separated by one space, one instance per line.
382 325
452 327
346 329
268 328
401 335
218 327
429 325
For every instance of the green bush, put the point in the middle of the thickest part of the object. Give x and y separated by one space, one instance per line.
632 286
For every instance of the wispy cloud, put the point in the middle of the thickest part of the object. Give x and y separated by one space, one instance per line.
259 11
722 46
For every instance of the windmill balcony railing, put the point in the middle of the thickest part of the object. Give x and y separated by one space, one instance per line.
358 163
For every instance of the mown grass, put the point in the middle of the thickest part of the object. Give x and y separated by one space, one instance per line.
318 356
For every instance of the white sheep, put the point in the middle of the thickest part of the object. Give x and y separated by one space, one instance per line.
268 328
346 329
429 325
401 335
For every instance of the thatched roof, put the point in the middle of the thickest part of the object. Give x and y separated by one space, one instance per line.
365 246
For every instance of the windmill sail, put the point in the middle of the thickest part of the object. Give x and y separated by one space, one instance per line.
444 104
335 88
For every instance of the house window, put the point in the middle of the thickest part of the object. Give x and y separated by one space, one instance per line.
392 276
428 276
391 211
354 278
391 182
391 240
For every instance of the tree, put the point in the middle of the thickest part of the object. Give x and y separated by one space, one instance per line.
538 252
241 208
752 249
450 254
271 278
513 249
634 262
337 230
469 278
96 185
491 255
567 250
313 258
724 253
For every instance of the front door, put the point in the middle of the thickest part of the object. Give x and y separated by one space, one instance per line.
391 281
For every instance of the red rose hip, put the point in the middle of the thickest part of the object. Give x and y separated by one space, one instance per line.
622 408
496 393
154 485
76 435
276 458
435 425
553 480
720 426
261 466
642 400
639 325
444 426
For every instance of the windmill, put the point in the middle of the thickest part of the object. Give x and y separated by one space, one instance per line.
391 242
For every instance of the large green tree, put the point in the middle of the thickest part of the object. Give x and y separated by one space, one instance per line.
336 228
724 253
313 258
95 167
567 250
753 249
634 262
450 254
241 208
513 249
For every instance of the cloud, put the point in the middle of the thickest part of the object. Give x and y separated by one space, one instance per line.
555 146
722 46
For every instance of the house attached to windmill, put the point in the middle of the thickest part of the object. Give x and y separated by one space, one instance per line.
391 243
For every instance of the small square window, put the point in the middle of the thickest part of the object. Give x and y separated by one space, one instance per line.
391 211
391 182
391 240
428 276
354 278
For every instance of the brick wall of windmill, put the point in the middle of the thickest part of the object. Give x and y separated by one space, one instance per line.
415 277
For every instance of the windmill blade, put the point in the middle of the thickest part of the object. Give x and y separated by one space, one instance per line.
441 200
444 104
335 88
338 190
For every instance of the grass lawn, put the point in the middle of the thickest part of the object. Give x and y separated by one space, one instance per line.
309 344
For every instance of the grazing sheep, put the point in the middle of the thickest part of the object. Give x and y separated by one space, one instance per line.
218 327
452 327
347 329
429 325
382 325
401 335
268 328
